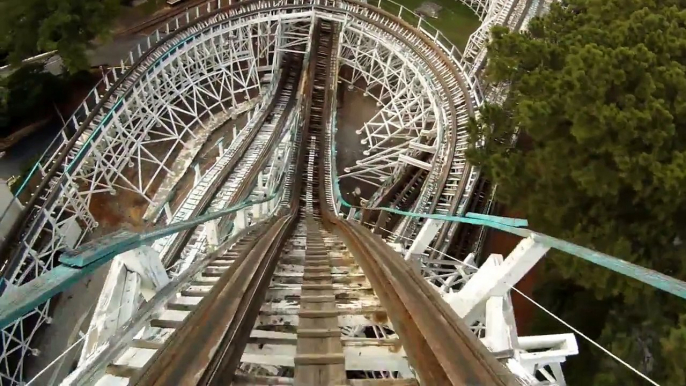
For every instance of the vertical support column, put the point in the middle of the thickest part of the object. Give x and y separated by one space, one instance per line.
220 144
499 335
264 208
240 222
168 212
351 213
256 211
198 175
260 180
424 238
212 232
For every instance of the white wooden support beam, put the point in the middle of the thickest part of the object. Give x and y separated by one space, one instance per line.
351 213
415 162
260 180
146 262
523 376
423 147
71 231
424 238
551 350
212 232
264 209
500 333
198 174
240 222
461 272
495 279
220 145
256 212
118 301
168 212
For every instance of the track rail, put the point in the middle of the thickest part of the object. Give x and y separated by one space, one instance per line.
217 338
441 66
236 179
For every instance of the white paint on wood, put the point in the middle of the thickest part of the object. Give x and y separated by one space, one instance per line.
424 238
145 261
494 279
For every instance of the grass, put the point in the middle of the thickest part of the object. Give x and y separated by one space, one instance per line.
455 20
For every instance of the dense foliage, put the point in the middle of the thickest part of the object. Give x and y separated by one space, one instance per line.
28 27
598 93
28 94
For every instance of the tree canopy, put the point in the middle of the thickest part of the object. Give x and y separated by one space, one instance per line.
27 95
598 95
29 27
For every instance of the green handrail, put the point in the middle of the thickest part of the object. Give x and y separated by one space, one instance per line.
82 261
642 274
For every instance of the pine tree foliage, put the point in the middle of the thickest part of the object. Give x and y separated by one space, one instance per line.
29 27
598 93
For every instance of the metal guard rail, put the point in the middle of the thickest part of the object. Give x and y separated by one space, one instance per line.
84 260
642 274
513 226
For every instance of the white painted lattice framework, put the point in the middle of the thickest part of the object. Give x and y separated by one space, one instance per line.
174 83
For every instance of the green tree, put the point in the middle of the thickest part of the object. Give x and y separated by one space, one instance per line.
598 93
27 95
28 27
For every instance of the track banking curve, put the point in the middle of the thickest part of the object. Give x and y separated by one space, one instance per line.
453 88
217 340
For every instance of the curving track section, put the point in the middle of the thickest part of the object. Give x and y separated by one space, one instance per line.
286 309
216 61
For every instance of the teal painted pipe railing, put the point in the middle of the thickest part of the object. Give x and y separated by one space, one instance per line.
642 274
645 275
81 262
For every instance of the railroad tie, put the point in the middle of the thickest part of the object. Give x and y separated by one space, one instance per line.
319 358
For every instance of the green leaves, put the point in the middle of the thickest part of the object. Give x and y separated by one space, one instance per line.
598 92
27 94
28 27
